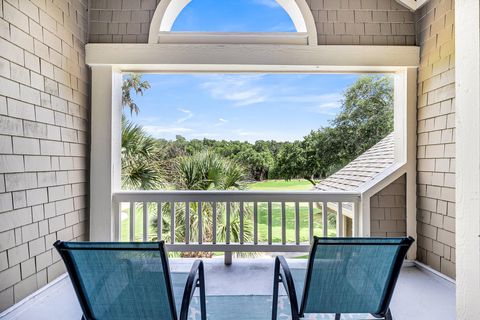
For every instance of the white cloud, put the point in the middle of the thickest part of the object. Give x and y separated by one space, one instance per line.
243 90
220 122
247 90
188 115
322 103
317 99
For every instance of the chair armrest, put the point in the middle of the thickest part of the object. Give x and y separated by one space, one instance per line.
196 278
288 283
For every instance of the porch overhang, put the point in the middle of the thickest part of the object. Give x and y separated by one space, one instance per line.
253 58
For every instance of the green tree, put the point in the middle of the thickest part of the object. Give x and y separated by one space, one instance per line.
206 170
258 163
141 169
133 82
291 162
141 166
366 115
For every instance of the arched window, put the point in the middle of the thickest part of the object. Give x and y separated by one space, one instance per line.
233 16
233 22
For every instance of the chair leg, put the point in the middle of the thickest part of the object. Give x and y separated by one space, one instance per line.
388 316
203 303
276 282
337 316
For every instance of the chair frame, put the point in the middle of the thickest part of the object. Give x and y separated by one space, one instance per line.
196 279
289 284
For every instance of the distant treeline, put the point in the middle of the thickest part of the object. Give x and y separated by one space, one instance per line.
365 117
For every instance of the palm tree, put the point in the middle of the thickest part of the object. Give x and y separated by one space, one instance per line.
207 170
133 82
141 168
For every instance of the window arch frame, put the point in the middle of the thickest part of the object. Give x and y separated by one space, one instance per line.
167 12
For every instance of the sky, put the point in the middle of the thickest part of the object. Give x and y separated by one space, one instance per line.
234 16
246 107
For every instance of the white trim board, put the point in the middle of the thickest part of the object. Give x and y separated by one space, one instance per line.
288 38
429 269
251 58
467 152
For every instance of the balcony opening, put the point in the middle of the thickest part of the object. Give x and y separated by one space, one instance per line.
277 140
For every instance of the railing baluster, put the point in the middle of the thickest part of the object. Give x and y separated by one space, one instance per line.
255 222
340 220
187 222
214 220
269 223
297 222
227 237
136 208
325 218
117 218
132 221
284 224
241 222
310 220
200 223
159 221
172 222
145 222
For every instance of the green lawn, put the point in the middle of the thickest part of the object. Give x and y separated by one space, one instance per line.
281 185
290 222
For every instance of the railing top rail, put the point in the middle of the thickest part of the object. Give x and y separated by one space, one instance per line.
235 195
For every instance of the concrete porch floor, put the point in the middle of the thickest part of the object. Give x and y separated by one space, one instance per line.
419 294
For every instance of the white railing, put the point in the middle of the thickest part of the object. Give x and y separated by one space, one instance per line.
234 221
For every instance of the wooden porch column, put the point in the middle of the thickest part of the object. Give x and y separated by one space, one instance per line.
467 77
105 165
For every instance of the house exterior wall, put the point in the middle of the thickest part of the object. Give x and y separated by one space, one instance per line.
117 21
368 22
388 210
436 136
43 139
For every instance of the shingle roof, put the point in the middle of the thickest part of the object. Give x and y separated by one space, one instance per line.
362 169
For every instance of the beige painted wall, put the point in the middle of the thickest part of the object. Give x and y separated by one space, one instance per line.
43 139
436 136
379 22
388 210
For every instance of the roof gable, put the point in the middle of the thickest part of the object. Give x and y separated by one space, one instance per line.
363 169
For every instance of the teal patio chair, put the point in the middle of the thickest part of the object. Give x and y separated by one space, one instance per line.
344 275
123 281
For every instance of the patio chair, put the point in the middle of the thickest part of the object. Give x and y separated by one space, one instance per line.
120 280
344 275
